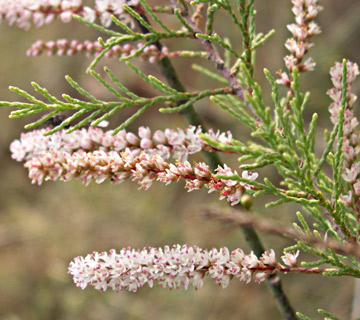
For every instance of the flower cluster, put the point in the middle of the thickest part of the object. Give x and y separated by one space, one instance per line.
351 140
63 47
24 12
172 268
305 27
144 168
336 91
92 154
180 143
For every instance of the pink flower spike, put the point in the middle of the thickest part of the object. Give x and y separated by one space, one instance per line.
302 30
170 267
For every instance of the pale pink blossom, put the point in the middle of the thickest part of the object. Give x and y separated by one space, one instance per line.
89 14
350 174
261 276
313 29
297 32
284 79
290 258
347 198
308 65
249 176
159 137
268 258
356 187
227 171
250 261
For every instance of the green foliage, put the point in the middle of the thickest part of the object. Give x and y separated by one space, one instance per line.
96 107
328 315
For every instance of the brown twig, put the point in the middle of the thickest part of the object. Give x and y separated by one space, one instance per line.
243 218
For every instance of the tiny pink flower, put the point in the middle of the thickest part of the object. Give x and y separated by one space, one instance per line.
268 258
290 258
159 137
356 187
309 65
250 261
132 139
249 176
66 16
261 276
144 133
347 198
194 184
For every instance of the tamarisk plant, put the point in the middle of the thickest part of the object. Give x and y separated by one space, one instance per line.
68 150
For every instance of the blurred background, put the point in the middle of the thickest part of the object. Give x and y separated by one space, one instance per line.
43 228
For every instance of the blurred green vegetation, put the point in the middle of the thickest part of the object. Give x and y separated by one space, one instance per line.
43 228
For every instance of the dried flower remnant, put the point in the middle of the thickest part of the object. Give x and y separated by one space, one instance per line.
23 13
305 27
172 268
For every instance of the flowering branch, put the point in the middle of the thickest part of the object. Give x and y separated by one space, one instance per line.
178 143
145 168
305 27
350 145
93 154
22 12
179 266
151 53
